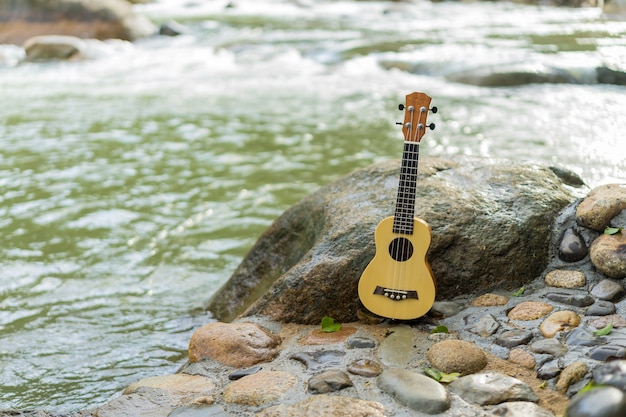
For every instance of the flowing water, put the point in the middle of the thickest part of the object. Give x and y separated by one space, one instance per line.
132 183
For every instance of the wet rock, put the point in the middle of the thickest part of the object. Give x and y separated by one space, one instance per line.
490 388
608 290
319 360
309 249
514 75
520 409
615 319
490 300
329 381
563 278
326 405
235 344
583 337
238 374
485 326
576 300
414 390
141 403
608 255
54 47
365 367
361 343
172 28
601 308
612 373
549 369
529 310
522 358
181 388
104 19
607 352
259 388
512 338
572 248
457 356
550 346
320 337
601 205
573 373
212 410
609 75
598 402
559 321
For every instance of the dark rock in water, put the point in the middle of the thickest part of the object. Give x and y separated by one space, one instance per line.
612 373
513 75
172 28
610 76
573 247
488 220
54 47
598 402
102 19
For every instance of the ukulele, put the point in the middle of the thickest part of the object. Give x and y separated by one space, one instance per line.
398 283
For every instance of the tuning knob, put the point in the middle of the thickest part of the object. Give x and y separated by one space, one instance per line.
431 126
434 109
400 107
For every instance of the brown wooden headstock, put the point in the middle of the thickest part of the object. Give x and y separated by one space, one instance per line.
416 112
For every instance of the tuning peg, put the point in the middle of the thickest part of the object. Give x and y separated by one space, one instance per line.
431 126
398 123
400 107
434 109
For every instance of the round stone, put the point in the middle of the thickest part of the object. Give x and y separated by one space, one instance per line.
598 402
608 290
488 388
329 381
559 321
612 373
601 205
529 310
259 388
550 346
608 255
490 300
615 320
457 356
365 367
414 390
326 405
563 278
522 358
572 247
515 337
570 375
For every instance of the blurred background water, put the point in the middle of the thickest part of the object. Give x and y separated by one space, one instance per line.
133 183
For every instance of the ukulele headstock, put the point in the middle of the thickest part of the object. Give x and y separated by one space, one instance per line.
415 115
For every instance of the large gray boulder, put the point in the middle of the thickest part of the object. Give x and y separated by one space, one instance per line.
491 222
98 19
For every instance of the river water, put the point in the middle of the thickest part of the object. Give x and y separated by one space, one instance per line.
132 183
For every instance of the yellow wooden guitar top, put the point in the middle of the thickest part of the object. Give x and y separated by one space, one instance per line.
398 283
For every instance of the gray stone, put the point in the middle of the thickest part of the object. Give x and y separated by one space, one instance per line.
240 373
360 343
520 409
320 359
577 300
414 390
329 381
598 402
608 290
550 346
612 373
601 308
292 273
446 308
607 352
396 348
572 247
549 369
512 338
485 326
490 388
582 337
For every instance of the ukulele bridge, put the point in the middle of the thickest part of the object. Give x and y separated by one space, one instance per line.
396 295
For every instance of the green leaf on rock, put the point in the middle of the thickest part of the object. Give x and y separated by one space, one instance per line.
329 325
519 292
604 331
440 329
612 230
441 376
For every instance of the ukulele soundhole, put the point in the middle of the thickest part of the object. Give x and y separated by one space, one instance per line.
401 249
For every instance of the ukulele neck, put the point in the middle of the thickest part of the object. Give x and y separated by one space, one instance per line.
405 201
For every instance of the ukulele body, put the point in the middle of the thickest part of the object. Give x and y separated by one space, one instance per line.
398 283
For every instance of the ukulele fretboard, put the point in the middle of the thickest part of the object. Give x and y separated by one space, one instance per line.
405 202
